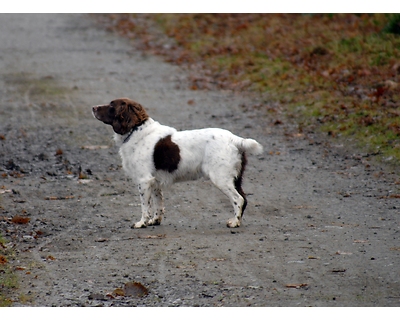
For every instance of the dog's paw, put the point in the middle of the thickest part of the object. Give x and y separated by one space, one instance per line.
140 224
154 222
233 223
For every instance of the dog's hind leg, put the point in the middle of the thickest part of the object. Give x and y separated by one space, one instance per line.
238 181
232 187
237 200
239 204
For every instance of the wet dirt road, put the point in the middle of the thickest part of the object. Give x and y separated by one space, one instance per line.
321 227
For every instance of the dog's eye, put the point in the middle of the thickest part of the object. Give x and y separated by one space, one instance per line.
111 109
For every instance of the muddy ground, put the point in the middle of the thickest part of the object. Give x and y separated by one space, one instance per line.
321 227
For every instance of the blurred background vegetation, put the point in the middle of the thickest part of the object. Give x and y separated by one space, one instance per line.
333 73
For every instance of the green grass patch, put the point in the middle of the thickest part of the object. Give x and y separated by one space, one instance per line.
8 279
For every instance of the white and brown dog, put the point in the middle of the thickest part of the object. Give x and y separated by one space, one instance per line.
156 156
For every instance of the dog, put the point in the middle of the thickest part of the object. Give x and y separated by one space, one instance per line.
156 156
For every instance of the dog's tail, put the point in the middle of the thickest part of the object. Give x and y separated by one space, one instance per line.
249 145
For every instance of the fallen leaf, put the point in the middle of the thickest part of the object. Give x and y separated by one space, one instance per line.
3 259
50 258
189 266
296 285
135 289
158 236
216 259
119 292
343 253
20 220
59 198
84 181
82 175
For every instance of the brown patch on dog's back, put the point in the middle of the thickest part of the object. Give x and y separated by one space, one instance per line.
166 155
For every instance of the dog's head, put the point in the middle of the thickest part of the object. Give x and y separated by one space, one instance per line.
122 114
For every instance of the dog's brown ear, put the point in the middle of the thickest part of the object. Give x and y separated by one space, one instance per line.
135 107
140 113
130 115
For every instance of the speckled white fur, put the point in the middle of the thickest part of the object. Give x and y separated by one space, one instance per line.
212 153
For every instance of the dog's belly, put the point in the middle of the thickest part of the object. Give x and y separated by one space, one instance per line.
165 178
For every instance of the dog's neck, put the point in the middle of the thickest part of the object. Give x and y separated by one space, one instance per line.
121 139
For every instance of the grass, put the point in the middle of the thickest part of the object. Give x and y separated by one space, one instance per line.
8 279
337 74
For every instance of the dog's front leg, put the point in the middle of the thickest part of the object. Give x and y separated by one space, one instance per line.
157 202
145 189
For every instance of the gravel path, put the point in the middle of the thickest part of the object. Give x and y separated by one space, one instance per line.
321 227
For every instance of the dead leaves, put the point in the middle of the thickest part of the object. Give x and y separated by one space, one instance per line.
217 259
3 259
59 198
296 285
20 220
130 289
392 196
360 241
135 289
50 258
344 253
19 268
187 266
243 52
274 153
157 236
